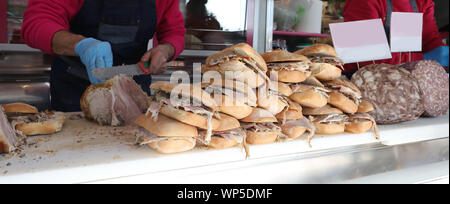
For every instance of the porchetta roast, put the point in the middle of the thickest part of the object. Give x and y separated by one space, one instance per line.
118 101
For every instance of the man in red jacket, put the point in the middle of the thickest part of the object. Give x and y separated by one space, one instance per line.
101 33
433 47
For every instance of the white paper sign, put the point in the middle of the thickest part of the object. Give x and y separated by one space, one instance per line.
406 32
360 41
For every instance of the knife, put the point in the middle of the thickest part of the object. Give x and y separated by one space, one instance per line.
105 73
77 69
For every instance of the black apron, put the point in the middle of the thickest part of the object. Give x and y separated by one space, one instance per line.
127 25
390 9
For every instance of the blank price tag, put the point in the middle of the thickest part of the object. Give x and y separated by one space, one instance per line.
406 32
360 41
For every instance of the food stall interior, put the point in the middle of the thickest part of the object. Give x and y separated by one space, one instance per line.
98 155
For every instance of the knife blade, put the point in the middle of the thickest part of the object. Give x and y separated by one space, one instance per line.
129 70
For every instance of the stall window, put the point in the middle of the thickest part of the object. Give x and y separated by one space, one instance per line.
214 24
11 12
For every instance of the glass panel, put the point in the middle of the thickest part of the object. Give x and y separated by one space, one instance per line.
15 12
214 24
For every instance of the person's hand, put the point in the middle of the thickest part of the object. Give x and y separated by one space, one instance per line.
439 54
94 54
158 58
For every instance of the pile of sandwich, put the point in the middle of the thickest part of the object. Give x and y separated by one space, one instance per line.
334 104
248 98
19 120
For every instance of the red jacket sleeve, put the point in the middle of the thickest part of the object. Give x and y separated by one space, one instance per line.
43 18
431 37
171 26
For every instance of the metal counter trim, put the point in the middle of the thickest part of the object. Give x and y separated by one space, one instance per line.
391 157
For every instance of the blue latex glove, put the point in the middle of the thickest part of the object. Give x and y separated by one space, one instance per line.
439 54
94 54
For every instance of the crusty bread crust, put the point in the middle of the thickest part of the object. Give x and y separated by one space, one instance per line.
289 76
238 86
346 83
259 138
342 102
272 103
284 89
326 110
359 127
237 71
283 56
294 112
240 50
293 132
195 92
173 145
260 115
313 81
221 143
227 123
329 129
318 49
365 107
238 111
189 118
310 98
19 108
232 106
166 127
325 72
43 128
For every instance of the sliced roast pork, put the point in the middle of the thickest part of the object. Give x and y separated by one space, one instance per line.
8 137
116 102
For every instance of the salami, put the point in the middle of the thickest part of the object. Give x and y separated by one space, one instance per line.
434 86
392 90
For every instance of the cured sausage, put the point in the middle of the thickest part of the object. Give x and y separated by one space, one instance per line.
393 91
434 86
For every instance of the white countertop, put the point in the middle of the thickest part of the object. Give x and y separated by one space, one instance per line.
84 152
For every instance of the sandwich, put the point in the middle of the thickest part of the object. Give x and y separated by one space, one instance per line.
166 135
284 89
229 134
287 67
345 95
327 120
186 103
310 96
18 109
260 127
43 123
365 107
326 64
9 140
360 123
271 100
232 97
313 81
299 128
116 102
239 62
293 111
